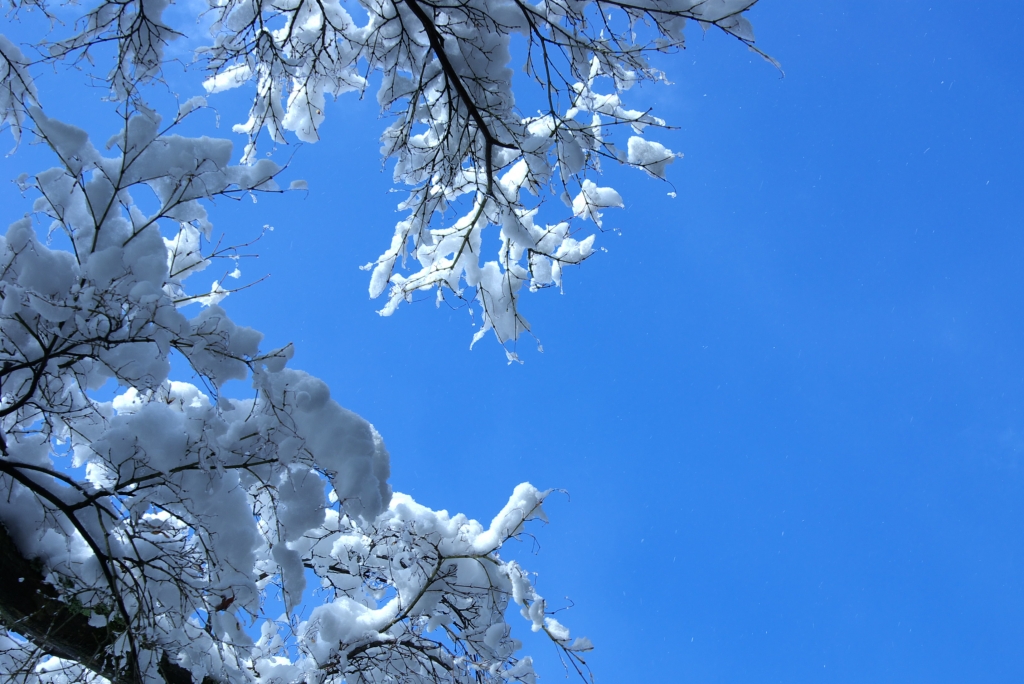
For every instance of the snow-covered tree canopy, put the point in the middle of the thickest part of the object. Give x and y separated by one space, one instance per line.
142 535
471 152
147 524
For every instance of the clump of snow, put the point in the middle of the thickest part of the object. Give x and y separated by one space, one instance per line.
652 157
592 199
17 88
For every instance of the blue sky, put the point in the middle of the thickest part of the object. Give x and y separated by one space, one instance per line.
786 405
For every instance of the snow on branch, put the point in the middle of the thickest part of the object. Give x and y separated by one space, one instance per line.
153 528
17 90
463 140
143 537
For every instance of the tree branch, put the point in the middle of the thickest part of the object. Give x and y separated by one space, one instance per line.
32 608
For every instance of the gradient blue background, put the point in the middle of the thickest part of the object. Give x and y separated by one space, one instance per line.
787 404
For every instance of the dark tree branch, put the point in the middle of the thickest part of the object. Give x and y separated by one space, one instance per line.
33 608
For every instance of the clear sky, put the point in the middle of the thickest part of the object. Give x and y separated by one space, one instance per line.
786 404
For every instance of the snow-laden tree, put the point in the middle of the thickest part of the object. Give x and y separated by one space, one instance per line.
147 523
142 535
472 152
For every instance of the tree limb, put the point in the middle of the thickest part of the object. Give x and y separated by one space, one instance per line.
32 608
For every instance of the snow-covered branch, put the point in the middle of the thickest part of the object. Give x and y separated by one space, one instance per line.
466 138
143 535
148 521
